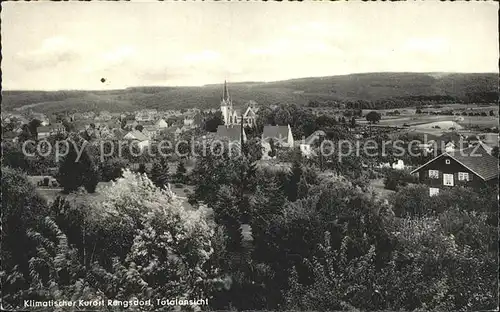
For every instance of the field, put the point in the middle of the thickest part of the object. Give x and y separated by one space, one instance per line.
423 121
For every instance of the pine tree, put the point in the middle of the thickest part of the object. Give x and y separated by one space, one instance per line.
159 173
68 176
302 188
74 172
293 180
141 169
180 174
89 172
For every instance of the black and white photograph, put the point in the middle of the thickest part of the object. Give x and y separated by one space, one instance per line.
250 156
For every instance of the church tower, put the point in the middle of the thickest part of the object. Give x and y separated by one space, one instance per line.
226 105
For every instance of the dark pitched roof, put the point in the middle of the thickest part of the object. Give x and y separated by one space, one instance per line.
231 133
275 132
479 161
476 159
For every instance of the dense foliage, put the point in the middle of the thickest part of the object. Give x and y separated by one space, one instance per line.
138 241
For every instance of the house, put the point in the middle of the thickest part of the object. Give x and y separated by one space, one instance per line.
276 136
162 124
146 115
44 120
45 131
449 142
232 116
151 128
306 145
81 125
130 124
471 167
188 122
232 133
117 134
281 135
139 137
104 116
490 139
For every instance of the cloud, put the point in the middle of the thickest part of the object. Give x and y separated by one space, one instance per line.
54 51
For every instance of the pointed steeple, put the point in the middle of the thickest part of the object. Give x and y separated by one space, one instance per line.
225 92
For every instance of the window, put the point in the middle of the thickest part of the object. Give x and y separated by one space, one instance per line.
433 191
434 174
447 161
463 176
448 179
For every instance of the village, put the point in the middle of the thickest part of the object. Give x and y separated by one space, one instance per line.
227 156
459 126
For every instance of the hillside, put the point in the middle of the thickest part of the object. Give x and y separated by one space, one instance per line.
368 86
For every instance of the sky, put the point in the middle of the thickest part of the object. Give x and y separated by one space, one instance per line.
72 45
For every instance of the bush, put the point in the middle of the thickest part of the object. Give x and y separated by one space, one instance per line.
395 179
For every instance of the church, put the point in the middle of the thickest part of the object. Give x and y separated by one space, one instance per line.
232 116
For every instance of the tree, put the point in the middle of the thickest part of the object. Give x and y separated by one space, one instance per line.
213 121
492 113
373 117
160 172
33 127
494 152
294 178
418 111
13 156
180 173
141 169
74 172
353 122
139 128
395 179
254 149
111 169
68 126
226 213
22 208
169 247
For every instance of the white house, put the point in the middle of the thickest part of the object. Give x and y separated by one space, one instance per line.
161 124
139 137
306 145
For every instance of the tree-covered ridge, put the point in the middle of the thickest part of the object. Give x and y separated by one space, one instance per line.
375 90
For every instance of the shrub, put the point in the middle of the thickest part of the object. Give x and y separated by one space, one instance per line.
395 179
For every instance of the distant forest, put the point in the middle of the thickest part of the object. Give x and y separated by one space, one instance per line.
411 101
370 90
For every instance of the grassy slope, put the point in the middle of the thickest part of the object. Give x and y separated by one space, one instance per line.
369 86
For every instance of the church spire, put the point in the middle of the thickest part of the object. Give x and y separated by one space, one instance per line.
225 92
